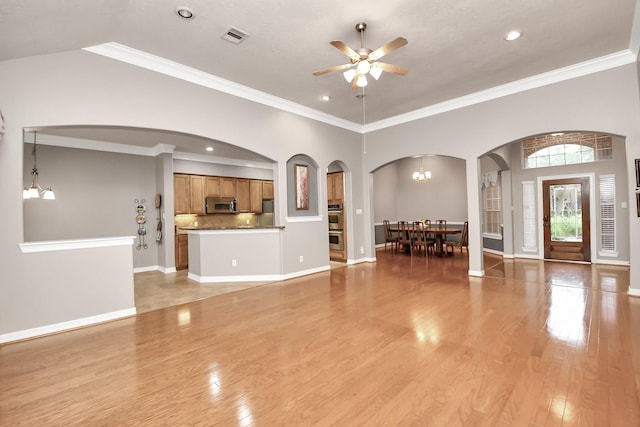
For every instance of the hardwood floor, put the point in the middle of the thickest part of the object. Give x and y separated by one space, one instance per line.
403 341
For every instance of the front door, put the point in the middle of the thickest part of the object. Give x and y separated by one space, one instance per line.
565 218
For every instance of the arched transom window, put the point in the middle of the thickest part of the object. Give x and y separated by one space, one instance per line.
569 148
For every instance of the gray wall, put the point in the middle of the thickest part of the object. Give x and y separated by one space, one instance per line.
398 197
95 193
606 101
80 88
616 166
77 87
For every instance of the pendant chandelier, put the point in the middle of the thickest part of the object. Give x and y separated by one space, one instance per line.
34 191
420 176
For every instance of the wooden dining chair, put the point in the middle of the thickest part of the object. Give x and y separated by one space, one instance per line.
429 236
441 223
389 236
462 243
419 238
404 236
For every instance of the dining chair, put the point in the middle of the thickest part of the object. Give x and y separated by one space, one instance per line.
429 236
389 236
419 238
404 236
462 243
441 223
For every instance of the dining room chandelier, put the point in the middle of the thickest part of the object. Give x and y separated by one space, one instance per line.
421 176
34 191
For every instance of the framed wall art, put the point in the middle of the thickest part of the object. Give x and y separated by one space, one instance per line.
637 173
302 186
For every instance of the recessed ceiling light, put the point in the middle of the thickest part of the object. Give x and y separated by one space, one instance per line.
209 148
184 12
512 35
325 97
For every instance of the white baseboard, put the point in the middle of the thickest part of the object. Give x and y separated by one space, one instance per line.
493 251
633 292
65 326
257 277
361 260
168 270
611 262
476 273
145 269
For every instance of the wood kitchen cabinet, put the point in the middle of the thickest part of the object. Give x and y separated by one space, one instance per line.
182 251
213 186
197 192
267 190
335 187
188 194
255 196
181 195
243 195
228 187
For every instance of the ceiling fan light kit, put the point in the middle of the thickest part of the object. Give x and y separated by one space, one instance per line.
364 60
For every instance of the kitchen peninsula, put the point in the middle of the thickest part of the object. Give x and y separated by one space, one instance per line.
235 254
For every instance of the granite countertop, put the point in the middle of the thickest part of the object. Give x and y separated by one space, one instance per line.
239 227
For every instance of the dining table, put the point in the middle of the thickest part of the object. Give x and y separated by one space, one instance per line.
438 232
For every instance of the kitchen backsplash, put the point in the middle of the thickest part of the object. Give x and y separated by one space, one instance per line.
218 220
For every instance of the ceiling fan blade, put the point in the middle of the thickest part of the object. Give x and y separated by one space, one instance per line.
354 82
387 48
346 50
332 69
390 68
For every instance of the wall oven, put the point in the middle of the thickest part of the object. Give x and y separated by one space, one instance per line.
335 216
336 240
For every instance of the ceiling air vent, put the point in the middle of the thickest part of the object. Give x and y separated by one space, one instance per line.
235 35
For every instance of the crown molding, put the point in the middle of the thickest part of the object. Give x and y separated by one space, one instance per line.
174 69
161 65
561 74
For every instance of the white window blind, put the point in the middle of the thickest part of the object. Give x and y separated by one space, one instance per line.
608 212
492 207
529 216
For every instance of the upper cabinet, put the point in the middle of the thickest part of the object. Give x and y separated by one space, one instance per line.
256 195
228 187
181 195
242 195
267 190
213 186
335 187
249 195
189 194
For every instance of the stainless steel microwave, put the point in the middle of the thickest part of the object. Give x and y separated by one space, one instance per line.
216 205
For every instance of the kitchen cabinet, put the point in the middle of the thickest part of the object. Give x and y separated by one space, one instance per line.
188 194
181 195
255 196
249 195
213 186
335 187
228 187
197 192
267 190
243 195
182 251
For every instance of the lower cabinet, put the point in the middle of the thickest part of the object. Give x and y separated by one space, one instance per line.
182 251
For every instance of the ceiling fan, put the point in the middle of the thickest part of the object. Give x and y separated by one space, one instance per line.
364 60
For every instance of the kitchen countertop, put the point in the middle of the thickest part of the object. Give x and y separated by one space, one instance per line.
240 227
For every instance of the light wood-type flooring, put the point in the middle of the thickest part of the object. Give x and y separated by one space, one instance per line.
403 341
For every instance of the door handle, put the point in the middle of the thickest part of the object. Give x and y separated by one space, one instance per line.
545 220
